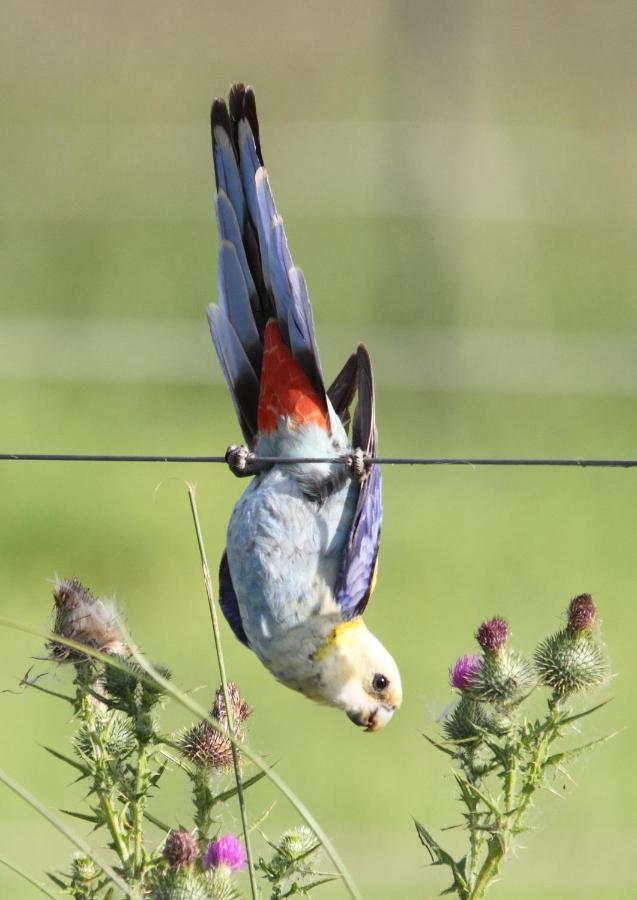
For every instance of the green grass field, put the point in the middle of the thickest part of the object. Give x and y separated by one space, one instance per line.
447 172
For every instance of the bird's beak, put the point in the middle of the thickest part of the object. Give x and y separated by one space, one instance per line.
374 721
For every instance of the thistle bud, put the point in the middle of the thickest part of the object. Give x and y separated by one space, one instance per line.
582 615
181 884
220 886
493 635
471 720
505 678
571 663
83 872
463 673
132 687
84 619
297 842
118 735
181 849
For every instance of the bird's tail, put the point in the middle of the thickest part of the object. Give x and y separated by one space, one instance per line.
257 280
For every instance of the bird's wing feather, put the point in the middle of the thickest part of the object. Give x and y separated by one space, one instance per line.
355 579
228 601
342 390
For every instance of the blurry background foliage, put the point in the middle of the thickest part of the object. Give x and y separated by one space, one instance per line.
459 183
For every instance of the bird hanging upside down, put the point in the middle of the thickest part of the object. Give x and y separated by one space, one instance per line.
303 539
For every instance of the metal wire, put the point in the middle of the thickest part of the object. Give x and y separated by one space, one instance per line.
344 460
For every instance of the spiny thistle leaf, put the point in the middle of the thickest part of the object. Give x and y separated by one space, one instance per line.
587 712
558 758
68 759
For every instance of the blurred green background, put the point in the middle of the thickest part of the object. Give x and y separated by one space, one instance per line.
459 183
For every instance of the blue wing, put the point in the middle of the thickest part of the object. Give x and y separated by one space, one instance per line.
228 601
355 580
356 576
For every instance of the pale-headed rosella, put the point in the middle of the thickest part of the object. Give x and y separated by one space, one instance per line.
303 539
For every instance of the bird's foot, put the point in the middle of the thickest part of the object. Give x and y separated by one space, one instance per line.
359 464
240 460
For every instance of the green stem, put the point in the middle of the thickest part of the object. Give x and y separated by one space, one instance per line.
138 809
101 778
533 775
474 836
510 778
224 684
490 868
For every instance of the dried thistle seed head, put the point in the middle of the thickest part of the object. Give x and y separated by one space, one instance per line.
206 746
505 678
571 663
493 635
464 671
239 708
84 619
181 848
211 747
471 721
582 614
226 852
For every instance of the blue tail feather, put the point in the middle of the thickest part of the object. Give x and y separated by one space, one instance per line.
250 164
257 277
228 173
238 372
235 302
229 231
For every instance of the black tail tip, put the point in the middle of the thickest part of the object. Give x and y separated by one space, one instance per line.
219 114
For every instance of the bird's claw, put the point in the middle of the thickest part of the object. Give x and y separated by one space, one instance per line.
240 460
359 464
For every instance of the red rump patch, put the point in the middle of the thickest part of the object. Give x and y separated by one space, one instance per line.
286 391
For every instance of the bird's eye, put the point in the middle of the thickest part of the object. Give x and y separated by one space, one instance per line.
379 683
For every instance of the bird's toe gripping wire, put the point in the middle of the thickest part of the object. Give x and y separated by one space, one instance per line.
359 464
241 461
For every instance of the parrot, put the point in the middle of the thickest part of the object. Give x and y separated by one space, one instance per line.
302 541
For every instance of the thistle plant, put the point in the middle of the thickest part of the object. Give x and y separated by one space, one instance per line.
501 757
121 754
291 867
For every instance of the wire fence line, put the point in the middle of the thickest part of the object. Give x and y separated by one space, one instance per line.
554 462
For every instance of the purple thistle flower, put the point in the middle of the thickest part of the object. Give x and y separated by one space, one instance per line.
462 674
226 851
582 614
493 635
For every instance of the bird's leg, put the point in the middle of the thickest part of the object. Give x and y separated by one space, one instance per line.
241 460
359 464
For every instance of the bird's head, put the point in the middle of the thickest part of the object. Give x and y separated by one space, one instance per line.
356 674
